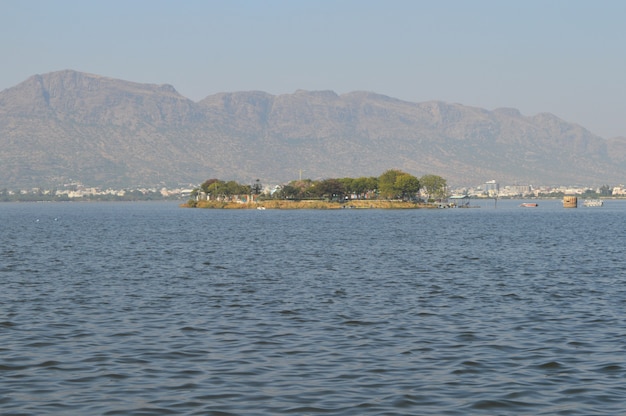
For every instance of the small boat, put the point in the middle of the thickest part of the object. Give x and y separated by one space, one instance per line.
593 203
529 205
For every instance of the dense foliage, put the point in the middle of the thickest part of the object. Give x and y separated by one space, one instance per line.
392 184
434 186
216 189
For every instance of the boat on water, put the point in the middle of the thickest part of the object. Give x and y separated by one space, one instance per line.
529 205
593 203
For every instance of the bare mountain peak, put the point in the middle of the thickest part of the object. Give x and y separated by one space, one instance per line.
94 99
231 109
327 94
546 117
361 96
30 95
508 112
239 97
73 82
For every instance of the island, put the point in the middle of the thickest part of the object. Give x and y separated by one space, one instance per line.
394 189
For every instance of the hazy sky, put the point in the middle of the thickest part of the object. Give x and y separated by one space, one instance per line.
564 57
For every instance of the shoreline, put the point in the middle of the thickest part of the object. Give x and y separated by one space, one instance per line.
311 204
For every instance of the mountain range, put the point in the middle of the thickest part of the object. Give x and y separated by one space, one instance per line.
72 126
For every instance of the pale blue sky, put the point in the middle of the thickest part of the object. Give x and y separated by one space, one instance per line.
566 57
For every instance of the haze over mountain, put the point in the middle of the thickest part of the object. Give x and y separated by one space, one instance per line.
69 125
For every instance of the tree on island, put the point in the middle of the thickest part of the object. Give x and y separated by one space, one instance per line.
330 189
435 186
396 184
216 189
257 187
408 185
361 187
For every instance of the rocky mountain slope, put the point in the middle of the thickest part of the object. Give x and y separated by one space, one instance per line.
69 125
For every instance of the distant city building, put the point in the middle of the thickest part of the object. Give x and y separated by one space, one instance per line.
520 189
492 187
619 190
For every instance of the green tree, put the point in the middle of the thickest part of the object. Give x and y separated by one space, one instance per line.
359 187
214 188
232 188
206 184
407 185
257 187
330 189
348 185
305 187
387 183
209 187
363 185
288 192
371 185
435 186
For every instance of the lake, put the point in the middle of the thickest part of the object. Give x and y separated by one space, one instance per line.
151 309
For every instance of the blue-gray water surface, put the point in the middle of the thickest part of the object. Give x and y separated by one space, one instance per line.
147 308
